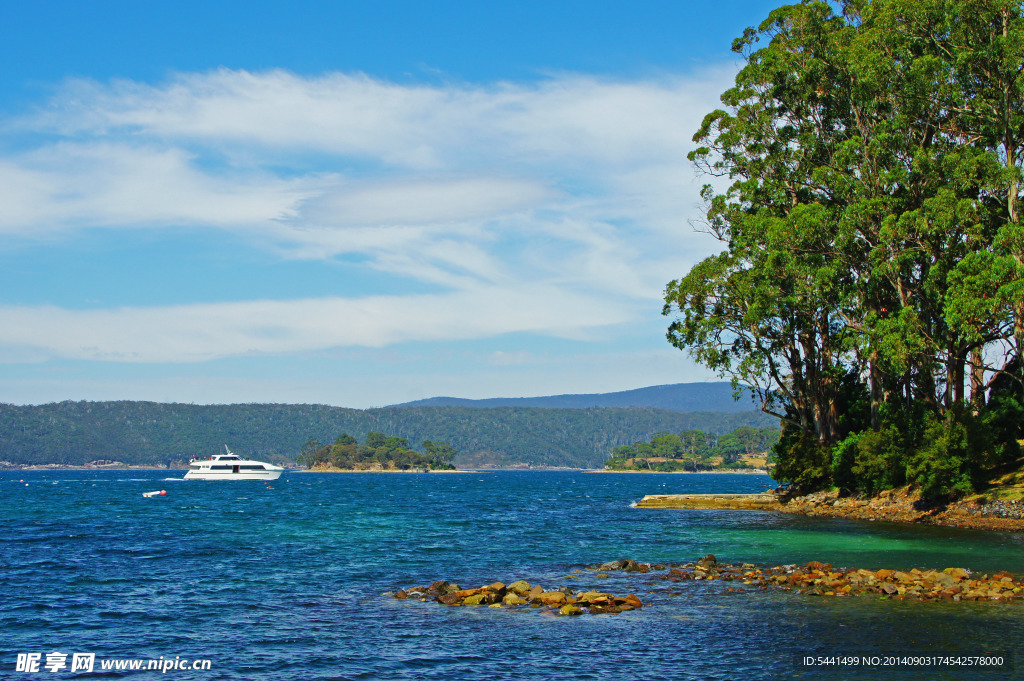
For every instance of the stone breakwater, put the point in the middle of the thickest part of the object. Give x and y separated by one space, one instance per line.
812 579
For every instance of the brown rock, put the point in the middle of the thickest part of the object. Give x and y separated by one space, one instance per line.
551 598
449 599
607 609
570 610
708 561
521 587
594 597
498 589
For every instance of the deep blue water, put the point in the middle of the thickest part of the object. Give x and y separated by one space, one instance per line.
286 583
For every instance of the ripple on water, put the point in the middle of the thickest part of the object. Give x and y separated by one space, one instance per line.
286 585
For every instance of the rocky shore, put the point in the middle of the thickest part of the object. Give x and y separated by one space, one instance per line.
822 579
713 502
901 505
905 506
93 466
811 579
522 594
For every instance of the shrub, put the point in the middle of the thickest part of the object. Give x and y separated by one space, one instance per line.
950 460
870 461
802 461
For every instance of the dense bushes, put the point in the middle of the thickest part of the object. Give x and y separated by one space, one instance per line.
943 455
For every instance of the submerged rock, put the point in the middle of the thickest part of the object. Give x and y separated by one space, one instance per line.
708 561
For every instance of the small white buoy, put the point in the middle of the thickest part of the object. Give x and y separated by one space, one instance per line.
161 492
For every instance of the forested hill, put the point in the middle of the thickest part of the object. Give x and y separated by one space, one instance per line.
674 397
153 433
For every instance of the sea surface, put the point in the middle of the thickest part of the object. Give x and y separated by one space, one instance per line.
286 581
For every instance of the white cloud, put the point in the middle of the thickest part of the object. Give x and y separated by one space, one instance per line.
420 202
566 118
191 333
554 207
72 185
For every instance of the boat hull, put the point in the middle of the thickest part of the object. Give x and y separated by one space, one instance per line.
228 475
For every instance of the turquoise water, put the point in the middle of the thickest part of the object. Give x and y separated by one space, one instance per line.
286 582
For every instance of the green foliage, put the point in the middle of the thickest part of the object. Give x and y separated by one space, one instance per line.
692 450
379 451
870 461
375 440
948 462
802 460
1003 420
441 455
310 453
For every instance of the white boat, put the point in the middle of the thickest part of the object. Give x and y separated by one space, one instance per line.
231 467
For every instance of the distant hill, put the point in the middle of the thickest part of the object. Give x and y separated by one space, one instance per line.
673 397
155 433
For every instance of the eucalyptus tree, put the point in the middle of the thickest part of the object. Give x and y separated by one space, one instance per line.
981 42
769 311
873 242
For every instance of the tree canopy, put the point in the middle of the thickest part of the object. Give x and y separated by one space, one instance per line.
871 289
693 450
379 452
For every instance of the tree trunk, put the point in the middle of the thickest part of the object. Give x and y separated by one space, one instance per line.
875 386
977 379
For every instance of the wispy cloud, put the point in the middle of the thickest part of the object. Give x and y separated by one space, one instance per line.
191 333
553 207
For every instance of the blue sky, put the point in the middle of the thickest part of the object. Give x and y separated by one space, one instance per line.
351 203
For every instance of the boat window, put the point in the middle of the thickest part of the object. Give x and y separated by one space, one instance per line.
251 468
221 468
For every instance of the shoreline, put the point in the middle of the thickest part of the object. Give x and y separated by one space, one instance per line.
362 470
741 471
68 467
895 506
